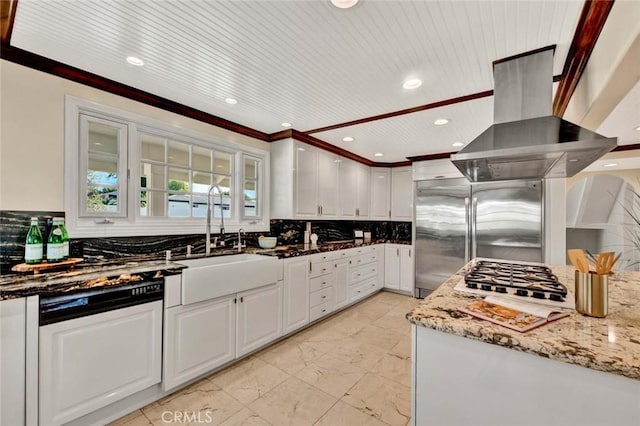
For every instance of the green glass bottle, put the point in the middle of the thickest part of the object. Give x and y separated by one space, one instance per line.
55 243
65 239
33 245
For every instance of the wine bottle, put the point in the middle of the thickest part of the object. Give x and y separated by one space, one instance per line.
33 245
55 243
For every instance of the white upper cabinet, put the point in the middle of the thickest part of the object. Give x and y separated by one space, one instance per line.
380 186
401 194
347 188
306 181
311 183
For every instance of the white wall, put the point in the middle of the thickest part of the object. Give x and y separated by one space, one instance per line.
32 134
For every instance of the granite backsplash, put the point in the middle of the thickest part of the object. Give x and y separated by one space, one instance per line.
15 224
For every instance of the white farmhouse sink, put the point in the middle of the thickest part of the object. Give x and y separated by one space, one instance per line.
216 276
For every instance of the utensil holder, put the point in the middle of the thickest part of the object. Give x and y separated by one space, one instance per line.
592 294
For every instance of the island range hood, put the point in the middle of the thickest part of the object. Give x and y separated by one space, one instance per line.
527 141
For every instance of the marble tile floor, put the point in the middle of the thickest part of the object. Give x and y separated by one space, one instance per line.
350 369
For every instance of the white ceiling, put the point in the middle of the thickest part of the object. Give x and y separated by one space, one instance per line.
306 62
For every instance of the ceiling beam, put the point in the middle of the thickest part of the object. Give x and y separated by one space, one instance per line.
7 18
592 19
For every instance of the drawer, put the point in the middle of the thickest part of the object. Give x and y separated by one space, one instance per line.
362 290
320 268
320 311
364 272
366 258
321 296
323 281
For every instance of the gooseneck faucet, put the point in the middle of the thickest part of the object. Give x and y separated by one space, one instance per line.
239 246
207 248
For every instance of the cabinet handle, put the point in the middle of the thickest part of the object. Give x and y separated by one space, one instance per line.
389 213
349 262
310 267
242 299
398 252
235 300
409 252
324 310
324 297
324 283
321 210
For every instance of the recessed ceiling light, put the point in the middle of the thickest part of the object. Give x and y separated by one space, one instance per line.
344 4
300 149
231 101
348 139
377 154
611 165
457 144
97 143
134 60
441 121
573 160
285 124
638 128
412 83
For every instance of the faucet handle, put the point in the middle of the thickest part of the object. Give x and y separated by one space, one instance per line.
189 247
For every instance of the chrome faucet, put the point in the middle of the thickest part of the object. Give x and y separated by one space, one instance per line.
208 245
239 246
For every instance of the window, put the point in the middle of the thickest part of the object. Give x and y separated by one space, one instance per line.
137 176
103 168
176 177
251 190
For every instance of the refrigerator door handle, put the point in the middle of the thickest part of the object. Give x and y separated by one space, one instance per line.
474 216
467 230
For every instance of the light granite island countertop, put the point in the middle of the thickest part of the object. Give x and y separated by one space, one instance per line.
577 370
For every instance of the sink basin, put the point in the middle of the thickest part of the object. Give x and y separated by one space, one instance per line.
216 276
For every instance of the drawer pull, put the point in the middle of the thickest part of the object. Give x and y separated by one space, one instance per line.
324 283
324 310
324 297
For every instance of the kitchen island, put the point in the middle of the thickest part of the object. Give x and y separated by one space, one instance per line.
577 370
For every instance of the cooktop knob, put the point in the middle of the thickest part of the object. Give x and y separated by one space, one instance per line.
521 292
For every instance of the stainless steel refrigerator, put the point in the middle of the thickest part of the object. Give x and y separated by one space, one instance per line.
456 221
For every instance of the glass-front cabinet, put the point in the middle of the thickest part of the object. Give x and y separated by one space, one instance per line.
137 176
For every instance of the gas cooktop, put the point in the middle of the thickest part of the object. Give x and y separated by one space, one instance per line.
525 280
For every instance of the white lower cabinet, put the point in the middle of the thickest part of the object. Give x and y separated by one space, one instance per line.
198 338
399 267
259 317
341 288
12 368
90 362
296 294
206 335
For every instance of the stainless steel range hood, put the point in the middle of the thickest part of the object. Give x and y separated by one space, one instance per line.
527 141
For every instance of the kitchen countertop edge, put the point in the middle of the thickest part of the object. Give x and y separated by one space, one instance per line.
610 344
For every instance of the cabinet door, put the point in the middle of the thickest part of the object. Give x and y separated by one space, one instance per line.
380 185
259 317
90 362
328 183
406 269
198 338
364 191
342 283
347 188
13 331
401 194
392 267
306 180
296 294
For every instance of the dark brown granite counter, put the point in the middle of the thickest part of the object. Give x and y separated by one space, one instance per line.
610 344
89 276
296 250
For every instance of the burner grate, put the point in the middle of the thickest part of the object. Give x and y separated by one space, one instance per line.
535 281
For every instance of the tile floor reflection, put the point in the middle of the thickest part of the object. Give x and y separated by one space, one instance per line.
353 368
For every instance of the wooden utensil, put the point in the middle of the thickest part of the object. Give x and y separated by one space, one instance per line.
605 262
578 260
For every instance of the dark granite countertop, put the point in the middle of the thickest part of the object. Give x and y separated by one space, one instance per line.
93 274
295 250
